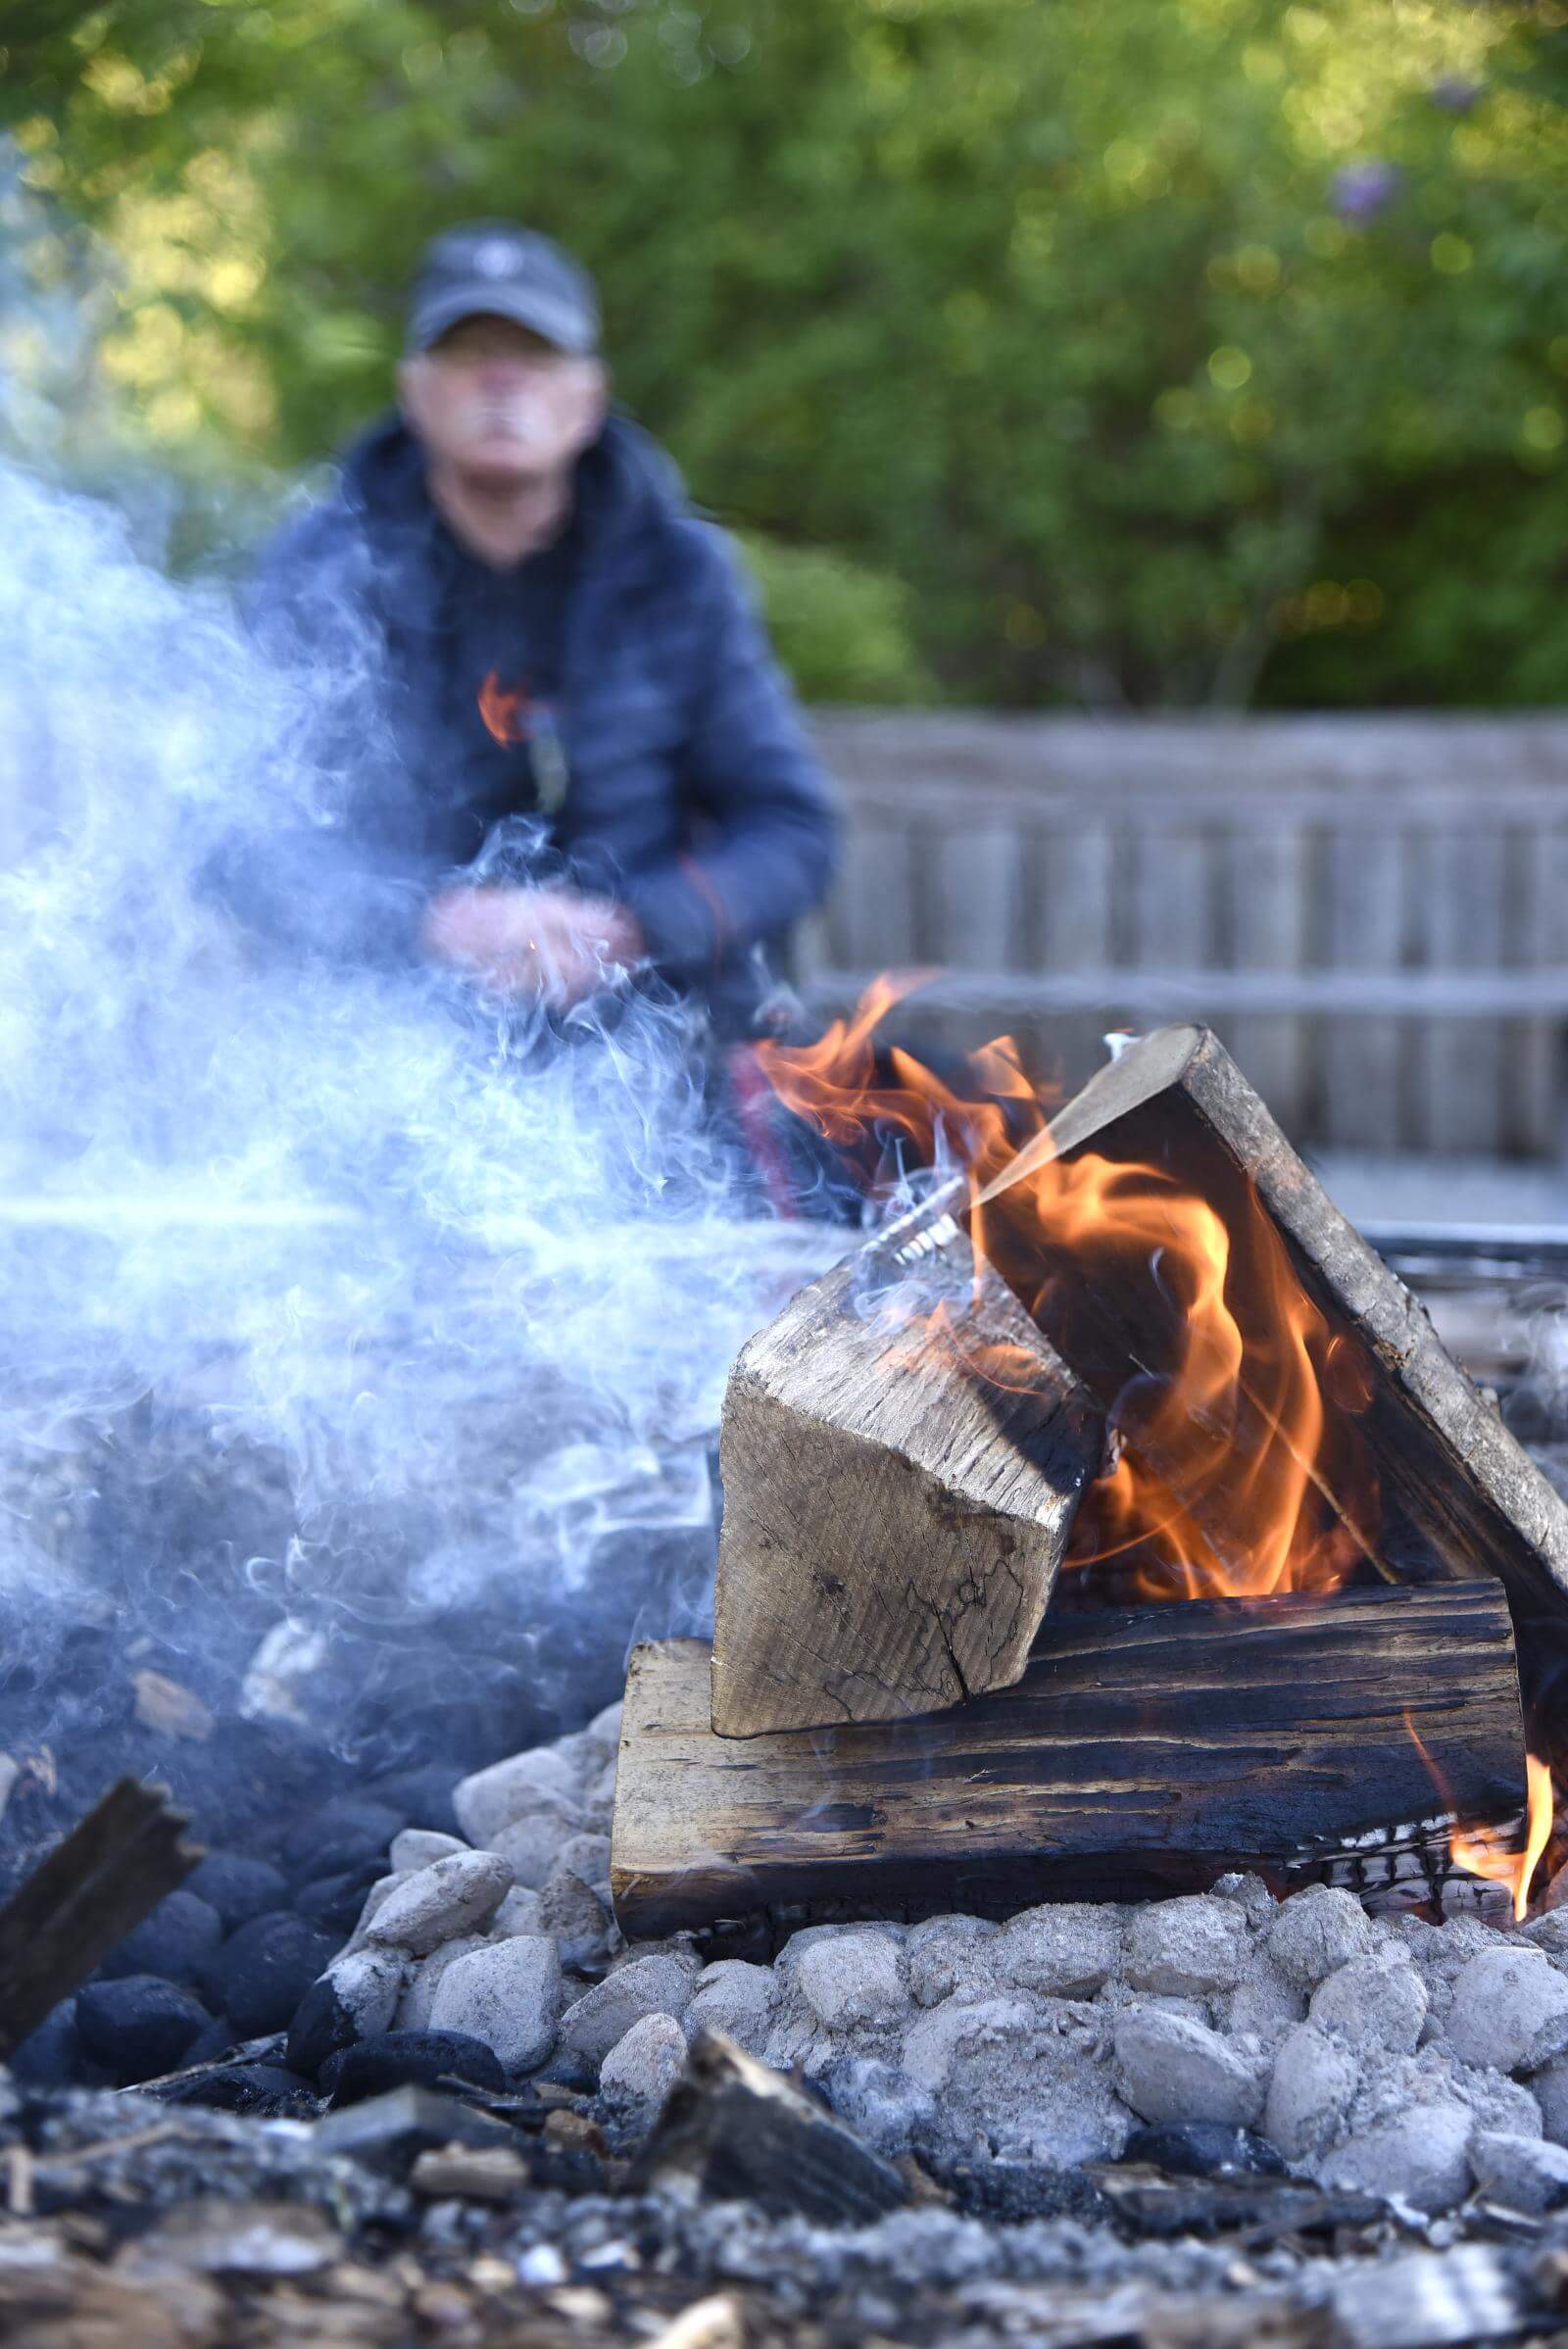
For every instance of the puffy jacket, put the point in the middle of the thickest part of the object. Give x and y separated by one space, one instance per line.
691 794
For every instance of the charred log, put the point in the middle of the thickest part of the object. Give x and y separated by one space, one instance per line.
1144 1750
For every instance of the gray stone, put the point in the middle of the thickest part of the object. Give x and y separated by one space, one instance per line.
735 1997
1509 2011
1499 2103
849 1978
418 1846
1550 2087
933 2043
1523 2173
368 1983
1375 2001
1188 1947
601 2016
436 1904
1420 2157
1314 2082
572 1915
944 1951
418 1999
1171 2069
491 1799
1315 1933
1250 1894
1265 2002
645 2065
1027 2077
533 1844
375 1900
509 1995
1550 1934
588 1856
1063 1952
518 1913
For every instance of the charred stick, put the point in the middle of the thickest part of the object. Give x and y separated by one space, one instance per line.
92 1890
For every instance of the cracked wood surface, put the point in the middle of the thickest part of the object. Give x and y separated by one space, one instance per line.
1146 1749
893 1520
1446 1465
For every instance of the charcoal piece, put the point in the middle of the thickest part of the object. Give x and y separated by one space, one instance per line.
732 2126
420 1797
332 1903
138 2026
267 2090
321 2025
263 1971
239 1889
389 2130
176 1940
396 2059
1014 2191
1204 2149
341 1835
215 2042
52 2055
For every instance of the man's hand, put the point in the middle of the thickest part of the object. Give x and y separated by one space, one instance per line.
551 945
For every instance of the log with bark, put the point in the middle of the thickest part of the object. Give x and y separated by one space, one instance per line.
899 1490
1144 1750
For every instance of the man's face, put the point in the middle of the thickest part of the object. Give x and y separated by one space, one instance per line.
493 399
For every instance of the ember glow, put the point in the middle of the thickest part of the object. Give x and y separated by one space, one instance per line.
498 706
1242 1475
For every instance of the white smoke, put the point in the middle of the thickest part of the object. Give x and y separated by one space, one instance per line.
475 1284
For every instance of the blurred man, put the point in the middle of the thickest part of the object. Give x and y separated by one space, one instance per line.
555 639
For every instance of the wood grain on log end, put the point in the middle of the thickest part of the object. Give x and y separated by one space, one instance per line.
894 1517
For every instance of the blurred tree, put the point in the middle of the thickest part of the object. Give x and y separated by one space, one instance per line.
1190 351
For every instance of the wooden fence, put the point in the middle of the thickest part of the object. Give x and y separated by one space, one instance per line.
1373 911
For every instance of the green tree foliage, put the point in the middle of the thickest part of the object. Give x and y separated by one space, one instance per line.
1184 351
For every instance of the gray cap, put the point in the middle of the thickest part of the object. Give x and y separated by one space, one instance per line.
496 268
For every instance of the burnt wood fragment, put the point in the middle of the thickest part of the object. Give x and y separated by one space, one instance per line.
894 1517
1146 1750
732 2126
101 1880
1175 1101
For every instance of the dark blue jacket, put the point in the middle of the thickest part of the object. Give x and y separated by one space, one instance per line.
691 794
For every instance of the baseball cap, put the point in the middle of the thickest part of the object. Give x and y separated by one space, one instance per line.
511 273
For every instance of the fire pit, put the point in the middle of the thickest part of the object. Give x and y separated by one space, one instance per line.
1123 1925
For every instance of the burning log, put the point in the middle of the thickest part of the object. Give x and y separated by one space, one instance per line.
62 1920
1144 1750
897 1502
1163 1213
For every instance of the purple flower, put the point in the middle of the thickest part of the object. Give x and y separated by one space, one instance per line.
1362 190
1455 94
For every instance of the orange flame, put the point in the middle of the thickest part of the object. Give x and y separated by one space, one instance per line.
499 706
1240 1474
1484 1851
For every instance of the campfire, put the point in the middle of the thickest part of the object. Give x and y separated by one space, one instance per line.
1136 1355
1097 1883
